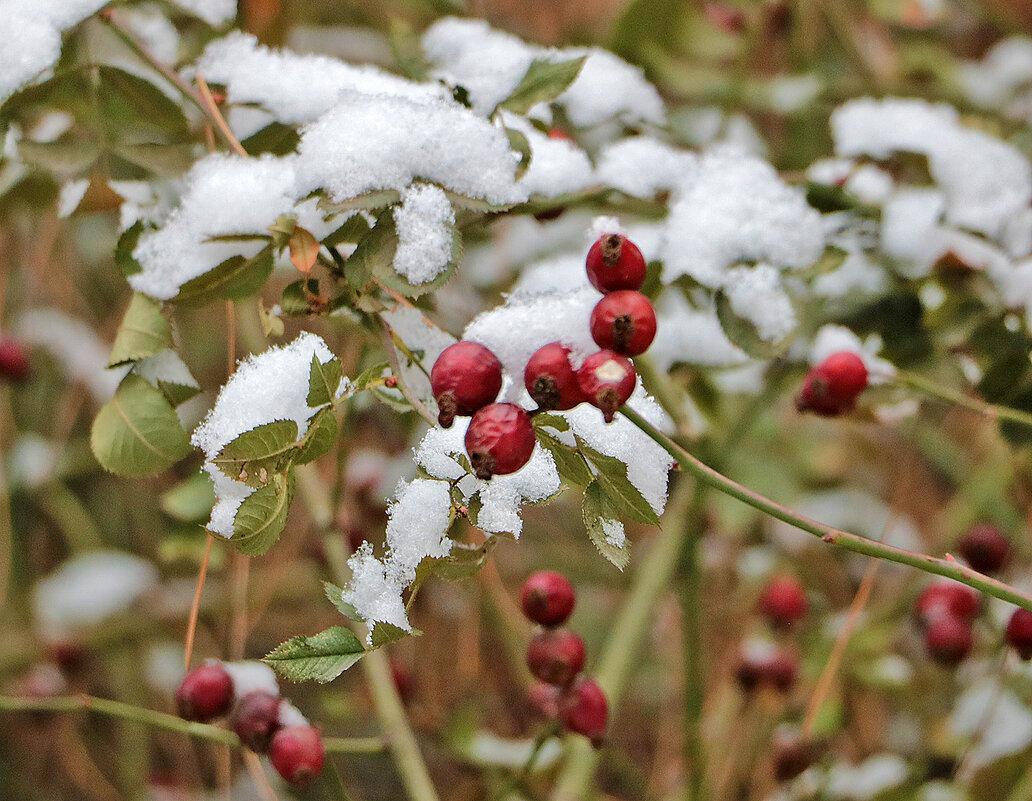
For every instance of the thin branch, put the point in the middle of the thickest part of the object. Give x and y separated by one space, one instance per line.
387 334
195 607
212 109
990 410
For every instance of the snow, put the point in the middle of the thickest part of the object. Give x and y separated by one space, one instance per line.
214 12
417 333
90 588
272 385
690 335
70 196
642 166
870 184
290 715
417 527
374 595
1006 67
557 166
874 775
155 31
1007 731
166 367
910 221
425 222
297 88
249 676
564 273
368 143
31 461
756 293
734 207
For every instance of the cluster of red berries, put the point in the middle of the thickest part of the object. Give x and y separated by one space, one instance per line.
555 657
783 603
14 360
296 751
831 388
467 377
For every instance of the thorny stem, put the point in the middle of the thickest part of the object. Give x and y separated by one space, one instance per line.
990 410
163 720
948 567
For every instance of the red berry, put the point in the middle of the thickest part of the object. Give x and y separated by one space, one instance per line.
500 440
948 640
793 755
947 598
559 133
14 360
297 753
624 321
725 16
784 601
402 678
556 656
255 719
547 598
551 380
544 700
205 693
607 380
614 262
831 388
1019 633
767 667
465 377
985 548
583 710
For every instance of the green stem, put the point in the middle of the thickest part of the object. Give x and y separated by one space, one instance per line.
949 568
690 597
990 410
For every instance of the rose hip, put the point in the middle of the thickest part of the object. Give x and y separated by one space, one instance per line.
14 360
556 656
1019 633
624 321
614 262
948 640
607 380
547 598
583 710
947 598
551 380
297 753
831 388
255 719
500 440
783 601
205 693
985 548
466 377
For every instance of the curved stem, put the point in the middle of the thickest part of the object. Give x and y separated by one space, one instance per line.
947 567
990 410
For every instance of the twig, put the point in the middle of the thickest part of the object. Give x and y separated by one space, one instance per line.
212 108
387 335
990 410
195 607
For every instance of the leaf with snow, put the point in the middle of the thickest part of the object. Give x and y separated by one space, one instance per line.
321 657
605 531
322 433
543 82
262 515
568 461
623 496
254 456
323 381
237 277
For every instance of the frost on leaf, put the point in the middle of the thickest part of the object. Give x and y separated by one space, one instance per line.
267 387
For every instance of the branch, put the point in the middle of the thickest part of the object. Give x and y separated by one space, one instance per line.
990 410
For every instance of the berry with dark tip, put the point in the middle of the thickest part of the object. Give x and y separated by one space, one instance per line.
466 377
255 719
783 601
297 753
767 667
624 321
583 710
547 598
556 656
205 693
550 378
607 380
832 387
948 640
543 699
500 440
792 755
614 262
14 360
1019 633
985 548
947 598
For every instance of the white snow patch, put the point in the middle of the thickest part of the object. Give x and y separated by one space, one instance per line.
425 222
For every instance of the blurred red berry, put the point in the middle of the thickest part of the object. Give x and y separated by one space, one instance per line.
767 667
607 380
614 262
500 440
205 693
466 377
831 388
14 360
583 710
792 755
985 548
624 321
725 16
543 699
402 678
547 598
255 719
947 598
556 656
559 133
948 640
1019 633
783 601
297 753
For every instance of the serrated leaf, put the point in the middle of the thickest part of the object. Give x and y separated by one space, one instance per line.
597 511
462 562
323 381
518 142
165 160
262 515
321 434
336 597
623 497
144 331
321 657
568 462
473 508
367 202
543 82
237 277
178 393
256 455
137 432
190 500
275 138
396 402
304 249
375 252
556 421
743 333
124 250
386 633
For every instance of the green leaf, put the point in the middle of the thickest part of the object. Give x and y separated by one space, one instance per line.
261 517
744 334
321 434
124 250
367 376
128 102
144 331
543 82
384 238
321 657
63 156
463 561
336 597
385 633
407 52
137 432
518 142
178 393
237 277
375 252
555 421
367 202
568 461
323 380
164 160
623 497
190 500
275 138
354 228
597 511
254 456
